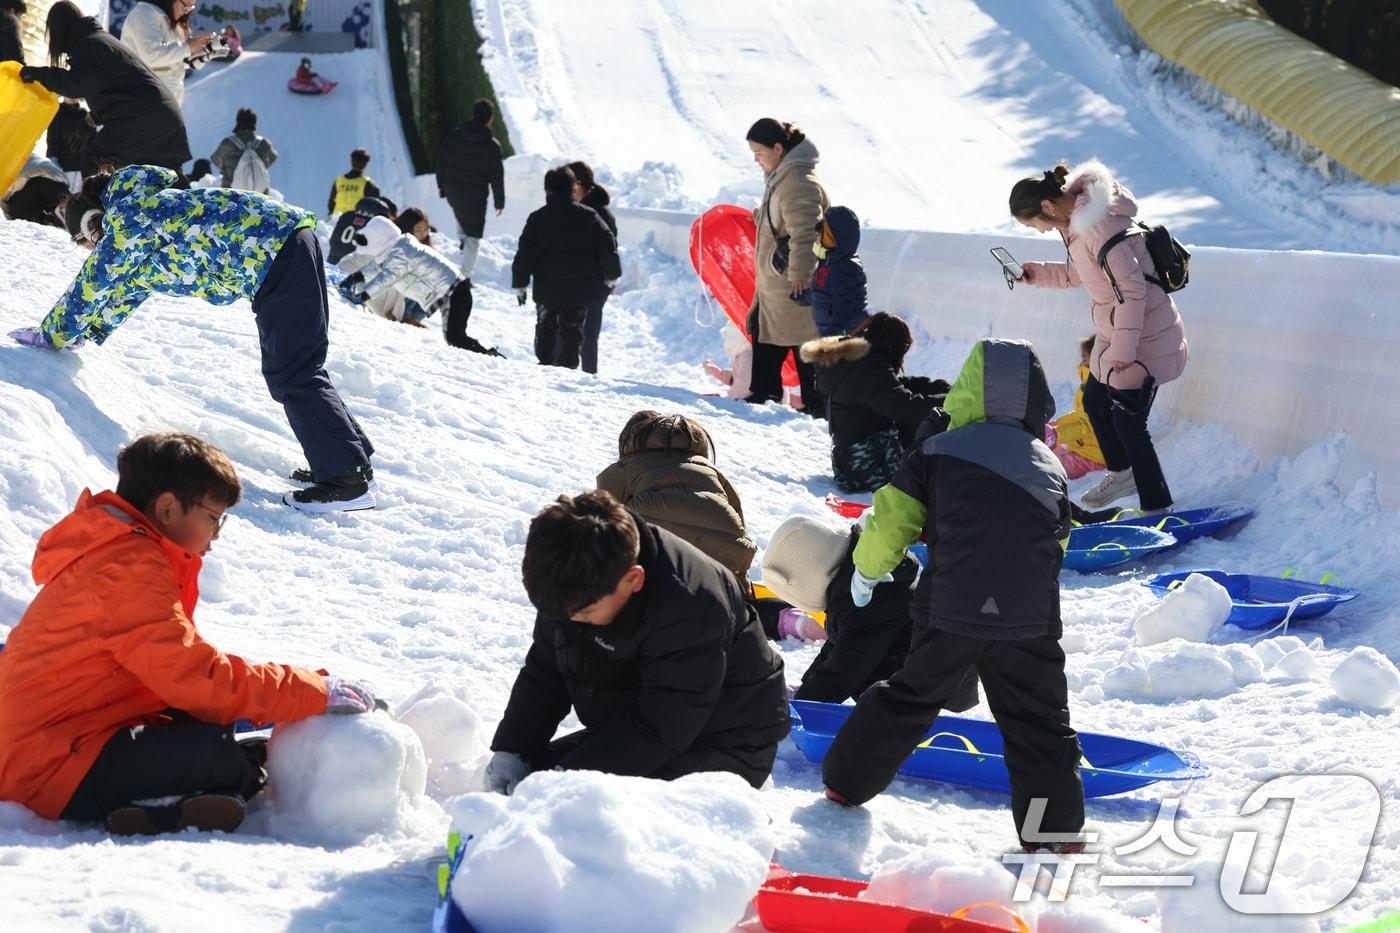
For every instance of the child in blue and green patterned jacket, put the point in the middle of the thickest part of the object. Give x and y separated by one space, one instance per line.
220 245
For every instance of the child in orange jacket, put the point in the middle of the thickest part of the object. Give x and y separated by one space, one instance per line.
108 693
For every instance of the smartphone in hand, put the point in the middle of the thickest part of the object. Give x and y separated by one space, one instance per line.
1010 268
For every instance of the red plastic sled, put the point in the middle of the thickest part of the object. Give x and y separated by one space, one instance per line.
316 85
789 903
721 249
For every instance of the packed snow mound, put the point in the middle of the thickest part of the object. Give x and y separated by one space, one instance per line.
340 779
450 729
1200 907
1193 611
1179 669
940 878
586 851
1367 679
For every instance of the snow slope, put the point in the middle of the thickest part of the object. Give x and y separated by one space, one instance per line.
925 112
313 135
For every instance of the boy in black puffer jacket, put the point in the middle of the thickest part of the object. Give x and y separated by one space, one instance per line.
873 408
650 642
991 498
572 256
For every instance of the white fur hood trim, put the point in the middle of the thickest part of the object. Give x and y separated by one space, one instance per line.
1097 196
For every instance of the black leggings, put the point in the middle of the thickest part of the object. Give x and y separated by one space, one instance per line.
1119 419
179 758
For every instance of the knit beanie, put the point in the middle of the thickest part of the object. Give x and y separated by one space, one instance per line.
800 560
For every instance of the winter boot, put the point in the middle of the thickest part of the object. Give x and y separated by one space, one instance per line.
348 492
304 475
204 812
1114 486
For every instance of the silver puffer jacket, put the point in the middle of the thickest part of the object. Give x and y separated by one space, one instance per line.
420 273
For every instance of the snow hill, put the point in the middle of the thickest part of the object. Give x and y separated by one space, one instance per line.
425 590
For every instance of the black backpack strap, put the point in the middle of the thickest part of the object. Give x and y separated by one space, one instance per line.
1134 229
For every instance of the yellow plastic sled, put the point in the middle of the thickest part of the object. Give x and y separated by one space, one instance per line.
25 112
762 592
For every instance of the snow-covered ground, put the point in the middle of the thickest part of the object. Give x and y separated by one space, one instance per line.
424 592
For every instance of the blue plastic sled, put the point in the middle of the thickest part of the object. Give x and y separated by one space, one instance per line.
969 752
447 916
1259 601
1098 547
1189 524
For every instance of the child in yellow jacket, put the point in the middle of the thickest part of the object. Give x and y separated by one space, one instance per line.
1071 436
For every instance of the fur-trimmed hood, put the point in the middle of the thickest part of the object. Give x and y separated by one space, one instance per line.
1097 196
828 351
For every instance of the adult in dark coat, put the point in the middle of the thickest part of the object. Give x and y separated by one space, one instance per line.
680 680
873 409
469 163
140 122
571 255
588 192
12 31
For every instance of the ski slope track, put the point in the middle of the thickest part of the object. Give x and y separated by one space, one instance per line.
426 590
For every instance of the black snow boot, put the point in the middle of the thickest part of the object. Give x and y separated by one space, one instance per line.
348 492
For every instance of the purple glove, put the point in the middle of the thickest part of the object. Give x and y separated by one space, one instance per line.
348 697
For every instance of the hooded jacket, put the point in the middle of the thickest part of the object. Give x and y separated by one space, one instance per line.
684 668
838 286
68 137
793 199
568 251
140 121
110 642
468 165
211 243
865 394
418 272
991 498
1145 328
672 482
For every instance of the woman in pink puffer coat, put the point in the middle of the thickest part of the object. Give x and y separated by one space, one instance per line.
1138 336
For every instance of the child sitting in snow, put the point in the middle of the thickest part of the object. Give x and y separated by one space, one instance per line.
808 565
740 353
666 473
1071 436
838 285
108 694
992 500
652 645
421 274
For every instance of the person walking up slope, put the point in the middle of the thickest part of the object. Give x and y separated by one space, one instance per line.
469 167
572 256
991 498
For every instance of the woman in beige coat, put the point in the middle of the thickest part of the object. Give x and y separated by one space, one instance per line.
1139 342
793 203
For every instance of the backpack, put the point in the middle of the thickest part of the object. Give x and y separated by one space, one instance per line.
1171 260
250 174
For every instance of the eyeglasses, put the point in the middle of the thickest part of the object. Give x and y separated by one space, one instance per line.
214 517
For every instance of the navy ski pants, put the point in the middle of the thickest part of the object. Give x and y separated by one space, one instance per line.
292 316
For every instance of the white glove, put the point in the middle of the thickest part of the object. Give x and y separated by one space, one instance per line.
862 587
348 696
610 282
504 771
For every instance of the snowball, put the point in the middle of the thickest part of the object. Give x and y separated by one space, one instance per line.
450 731
939 878
338 779
1244 662
1298 664
1191 670
579 850
1192 611
1272 649
1367 679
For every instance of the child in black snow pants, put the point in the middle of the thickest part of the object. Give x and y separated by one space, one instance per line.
991 497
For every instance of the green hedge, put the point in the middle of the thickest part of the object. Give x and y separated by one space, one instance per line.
450 79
